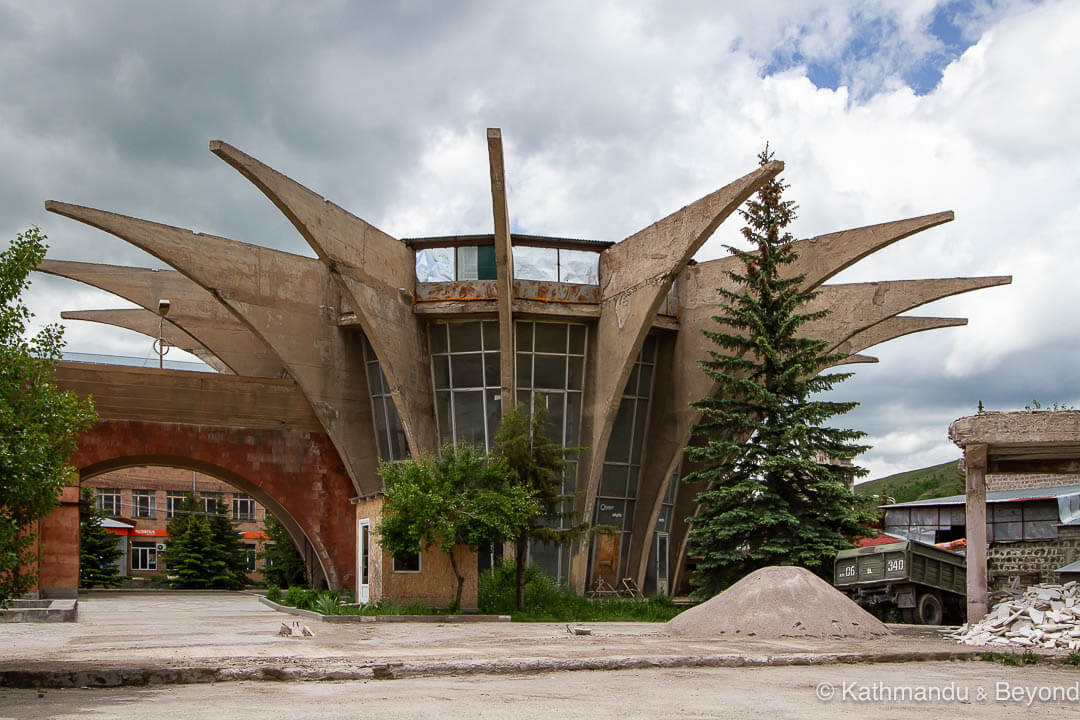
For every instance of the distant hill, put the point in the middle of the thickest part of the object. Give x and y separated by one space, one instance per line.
932 482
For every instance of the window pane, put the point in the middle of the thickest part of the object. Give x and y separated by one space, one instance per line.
438 337
550 337
573 418
374 379
663 520
645 380
631 382
639 430
648 350
554 427
435 265
466 263
632 481
1041 530
613 481
1040 511
494 414
442 405
491 335
485 262
492 371
467 370
380 429
550 371
575 372
464 337
524 336
469 417
610 512
399 446
533 263
524 370
618 449
577 339
579 266
441 364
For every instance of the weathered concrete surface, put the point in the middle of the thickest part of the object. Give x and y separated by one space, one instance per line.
139 638
41 611
636 275
150 324
504 267
192 309
178 396
287 300
375 272
296 475
892 328
742 693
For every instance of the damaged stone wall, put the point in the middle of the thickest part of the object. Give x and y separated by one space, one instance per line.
1033 561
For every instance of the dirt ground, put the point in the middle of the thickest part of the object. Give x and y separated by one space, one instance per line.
765 692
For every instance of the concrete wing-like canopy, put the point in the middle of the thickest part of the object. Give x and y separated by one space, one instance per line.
282 298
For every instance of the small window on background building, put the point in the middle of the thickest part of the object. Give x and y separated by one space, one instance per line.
243 507
143 556
210 502
250 555
109 501
407 563
173 498
143 504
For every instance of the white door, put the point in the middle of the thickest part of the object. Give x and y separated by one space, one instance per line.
363 558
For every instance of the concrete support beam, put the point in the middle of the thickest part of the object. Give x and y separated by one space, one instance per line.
376 274
636 275
504 267
975 472
149 323
892 328
192 309
284 299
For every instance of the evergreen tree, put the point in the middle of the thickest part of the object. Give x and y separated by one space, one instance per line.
768 498
284 566
204 549
537 463
98 548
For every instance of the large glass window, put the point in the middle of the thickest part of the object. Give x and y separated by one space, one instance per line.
622 465
467 379
389 433
143 556
550 368
445 264
556 265
210 501
243 507
173 498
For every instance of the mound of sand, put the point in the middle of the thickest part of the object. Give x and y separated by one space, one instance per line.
778 602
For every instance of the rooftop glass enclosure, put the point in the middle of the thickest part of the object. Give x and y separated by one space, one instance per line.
473 259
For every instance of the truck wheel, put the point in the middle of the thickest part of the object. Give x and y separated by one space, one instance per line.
931 611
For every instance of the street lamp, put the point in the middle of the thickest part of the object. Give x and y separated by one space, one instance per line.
160 346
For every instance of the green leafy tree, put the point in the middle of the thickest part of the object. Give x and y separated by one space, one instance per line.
39 423
768 498
462 497
98 548
204 549
284 566
538 464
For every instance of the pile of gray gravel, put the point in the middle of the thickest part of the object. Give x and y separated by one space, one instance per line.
778 602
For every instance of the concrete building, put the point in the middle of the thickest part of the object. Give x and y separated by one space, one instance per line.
144 498
384 347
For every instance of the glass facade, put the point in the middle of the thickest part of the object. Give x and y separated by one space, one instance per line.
556 265
389 433
446 264
467 381
549 365
622 464
656 571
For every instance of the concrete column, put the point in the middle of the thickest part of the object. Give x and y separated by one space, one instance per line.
975 471
504 267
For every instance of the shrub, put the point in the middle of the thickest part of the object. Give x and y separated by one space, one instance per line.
273 594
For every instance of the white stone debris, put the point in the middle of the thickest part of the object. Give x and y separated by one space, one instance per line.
284 630
1045 616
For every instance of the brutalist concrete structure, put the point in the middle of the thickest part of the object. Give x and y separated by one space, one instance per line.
384 347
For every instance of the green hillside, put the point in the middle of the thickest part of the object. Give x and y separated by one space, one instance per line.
932 482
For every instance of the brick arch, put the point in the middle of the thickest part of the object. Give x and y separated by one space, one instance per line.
298 476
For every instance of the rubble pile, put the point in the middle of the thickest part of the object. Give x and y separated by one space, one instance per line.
778 602
1045 616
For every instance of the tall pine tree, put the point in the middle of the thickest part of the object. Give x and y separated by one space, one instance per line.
98 548
768 498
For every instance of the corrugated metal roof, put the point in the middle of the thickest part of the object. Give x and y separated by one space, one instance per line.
143 362
1073 567
1050 493
110 523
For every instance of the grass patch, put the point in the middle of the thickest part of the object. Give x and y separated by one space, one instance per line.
547 601
328 602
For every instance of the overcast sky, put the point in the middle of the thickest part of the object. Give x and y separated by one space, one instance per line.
613 115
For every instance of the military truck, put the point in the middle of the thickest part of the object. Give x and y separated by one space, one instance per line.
924 583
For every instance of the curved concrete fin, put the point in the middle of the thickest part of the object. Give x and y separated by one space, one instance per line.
858 359
375 271
819 258
288 301
192 309
892 328
149 323
856 306
635 277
